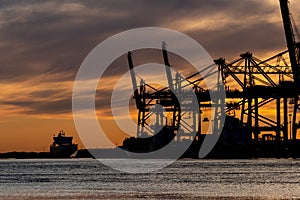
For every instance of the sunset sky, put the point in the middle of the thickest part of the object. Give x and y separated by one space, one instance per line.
43 43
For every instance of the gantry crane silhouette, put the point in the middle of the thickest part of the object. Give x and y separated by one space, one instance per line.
250 85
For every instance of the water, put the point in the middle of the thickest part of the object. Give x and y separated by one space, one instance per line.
184 179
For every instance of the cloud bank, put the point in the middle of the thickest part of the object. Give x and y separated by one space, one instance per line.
42 43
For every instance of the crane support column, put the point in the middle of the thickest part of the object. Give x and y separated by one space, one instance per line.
285 118
278 128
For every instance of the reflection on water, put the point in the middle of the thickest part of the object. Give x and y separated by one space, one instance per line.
187 179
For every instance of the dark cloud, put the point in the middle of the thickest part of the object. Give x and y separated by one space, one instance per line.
259 38
61 106
50 93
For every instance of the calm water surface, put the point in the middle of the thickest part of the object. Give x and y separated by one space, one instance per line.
184 179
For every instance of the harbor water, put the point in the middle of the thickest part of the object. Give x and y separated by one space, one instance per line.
184 179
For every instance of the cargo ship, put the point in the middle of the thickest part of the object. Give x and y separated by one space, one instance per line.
62 146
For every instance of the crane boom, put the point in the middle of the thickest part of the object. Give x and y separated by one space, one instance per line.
167 65
290 39
133 79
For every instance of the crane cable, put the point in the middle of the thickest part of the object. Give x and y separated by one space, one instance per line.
295 27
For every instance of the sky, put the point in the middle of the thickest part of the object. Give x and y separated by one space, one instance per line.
43 43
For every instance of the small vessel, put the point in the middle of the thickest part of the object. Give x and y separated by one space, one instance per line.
62 146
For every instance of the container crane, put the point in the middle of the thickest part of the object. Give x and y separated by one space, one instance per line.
294 54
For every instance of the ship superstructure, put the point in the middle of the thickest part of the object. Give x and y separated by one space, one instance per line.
62 146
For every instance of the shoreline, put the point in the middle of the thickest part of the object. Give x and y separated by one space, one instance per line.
41 155
138 196
84 153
